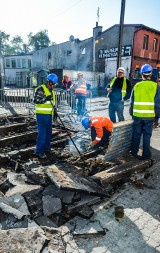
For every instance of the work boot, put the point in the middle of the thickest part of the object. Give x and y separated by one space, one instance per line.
42 156
134 155
48 152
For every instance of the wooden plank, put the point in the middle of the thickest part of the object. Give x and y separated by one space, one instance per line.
119 172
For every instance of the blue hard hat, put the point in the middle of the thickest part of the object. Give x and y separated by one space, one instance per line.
85 122
53 78
146 69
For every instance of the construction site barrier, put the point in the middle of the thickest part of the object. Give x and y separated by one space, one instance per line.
21 100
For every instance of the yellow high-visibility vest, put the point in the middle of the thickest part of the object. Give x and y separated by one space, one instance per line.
47 107
124 86
144 94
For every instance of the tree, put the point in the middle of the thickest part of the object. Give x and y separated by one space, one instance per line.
4 38
17 44
39 41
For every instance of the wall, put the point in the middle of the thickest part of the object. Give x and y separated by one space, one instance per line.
109 39
142 56
66 55
111 66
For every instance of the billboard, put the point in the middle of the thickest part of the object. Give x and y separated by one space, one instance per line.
113 52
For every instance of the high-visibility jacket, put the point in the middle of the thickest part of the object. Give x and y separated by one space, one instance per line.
66 84
82 89
144 95
47 107
124 86
98 123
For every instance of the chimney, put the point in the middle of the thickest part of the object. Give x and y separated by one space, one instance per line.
97 30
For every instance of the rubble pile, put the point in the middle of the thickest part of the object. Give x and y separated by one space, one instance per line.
48 193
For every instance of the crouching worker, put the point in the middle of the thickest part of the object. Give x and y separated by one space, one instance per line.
101 129
44 100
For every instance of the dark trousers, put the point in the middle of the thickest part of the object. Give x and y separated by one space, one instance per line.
105 139
81 104
142 127
118 108
44 126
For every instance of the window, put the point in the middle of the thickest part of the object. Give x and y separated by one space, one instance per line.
29 64
145 42
49 56
69 52
13 63
19 63
24 63
82 50
7 63
155 45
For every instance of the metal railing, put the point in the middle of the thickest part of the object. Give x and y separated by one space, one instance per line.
21 100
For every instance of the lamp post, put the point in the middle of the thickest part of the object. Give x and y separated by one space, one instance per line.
0 61
120 33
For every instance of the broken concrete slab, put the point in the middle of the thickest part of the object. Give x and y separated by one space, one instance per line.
45 221
22 240
56 244
16 201
82 227
51 205
20 189
34 201
5 185
67 197
16 178
85 212
10 210
85 200
71 181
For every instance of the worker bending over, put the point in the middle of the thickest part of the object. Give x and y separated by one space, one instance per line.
101 129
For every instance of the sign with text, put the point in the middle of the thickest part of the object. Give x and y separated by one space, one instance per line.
113 52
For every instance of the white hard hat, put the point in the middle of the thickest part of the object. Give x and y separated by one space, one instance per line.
120 69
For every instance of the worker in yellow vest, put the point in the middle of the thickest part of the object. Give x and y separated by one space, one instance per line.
118 90
145 104
44 100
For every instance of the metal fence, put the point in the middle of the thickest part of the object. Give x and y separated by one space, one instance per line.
21 101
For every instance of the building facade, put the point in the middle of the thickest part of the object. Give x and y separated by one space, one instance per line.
98 54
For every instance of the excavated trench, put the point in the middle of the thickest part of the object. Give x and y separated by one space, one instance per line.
54 190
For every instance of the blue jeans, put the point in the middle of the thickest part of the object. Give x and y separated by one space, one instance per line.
142 127
105 139
44 126
81 105
118 108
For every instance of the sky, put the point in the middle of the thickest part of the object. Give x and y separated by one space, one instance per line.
63 18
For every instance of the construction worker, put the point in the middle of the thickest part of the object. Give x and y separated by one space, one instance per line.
101 129
118 90
81 95
157 116
66 82
145 104
44 100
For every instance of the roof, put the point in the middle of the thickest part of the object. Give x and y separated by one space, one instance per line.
138 26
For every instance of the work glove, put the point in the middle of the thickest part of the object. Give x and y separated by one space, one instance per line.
91 144
48 98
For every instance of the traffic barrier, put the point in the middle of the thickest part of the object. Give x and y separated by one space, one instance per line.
21 100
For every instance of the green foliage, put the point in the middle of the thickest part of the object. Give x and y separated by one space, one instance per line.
40 40
16 45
